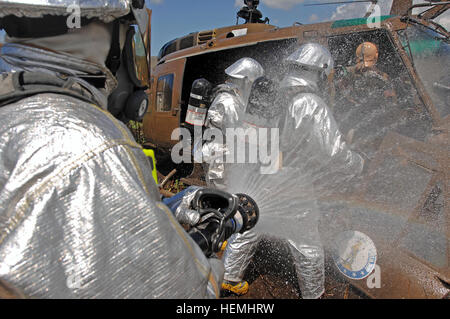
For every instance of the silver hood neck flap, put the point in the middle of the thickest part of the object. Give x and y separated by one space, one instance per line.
18 58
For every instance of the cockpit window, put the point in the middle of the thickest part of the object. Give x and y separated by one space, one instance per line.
430 52
374 94
164 93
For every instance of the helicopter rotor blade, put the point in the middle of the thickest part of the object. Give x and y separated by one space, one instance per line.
338 2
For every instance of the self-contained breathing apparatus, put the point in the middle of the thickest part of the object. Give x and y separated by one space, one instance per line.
200 99
199 102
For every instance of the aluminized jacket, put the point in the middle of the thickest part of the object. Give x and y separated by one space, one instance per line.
80 215
321 163
224 113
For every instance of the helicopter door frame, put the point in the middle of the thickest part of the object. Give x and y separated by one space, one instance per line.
167 119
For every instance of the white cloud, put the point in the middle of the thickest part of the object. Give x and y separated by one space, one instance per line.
313 18
359 10
348 11
282 4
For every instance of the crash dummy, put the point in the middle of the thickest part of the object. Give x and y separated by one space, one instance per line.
364 83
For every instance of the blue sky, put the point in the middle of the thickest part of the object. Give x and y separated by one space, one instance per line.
175 18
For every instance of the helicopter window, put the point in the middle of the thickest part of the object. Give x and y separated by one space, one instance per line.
171 48
164 93
431 57
167 48
187 42
373 100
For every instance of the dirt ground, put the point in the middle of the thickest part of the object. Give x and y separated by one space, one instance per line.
271 275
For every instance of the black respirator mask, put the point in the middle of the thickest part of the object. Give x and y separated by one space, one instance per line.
128 101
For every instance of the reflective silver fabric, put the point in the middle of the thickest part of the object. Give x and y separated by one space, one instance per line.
314 149
245 68
306 79
225 112
225 109
238 254
312 55
74 42
105 10
318 135
80 214
184 214
17 57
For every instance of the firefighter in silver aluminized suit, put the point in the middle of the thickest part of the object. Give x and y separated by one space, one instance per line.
225 112
226 109
80 214
309 130
314 147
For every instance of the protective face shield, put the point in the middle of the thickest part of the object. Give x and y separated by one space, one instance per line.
129 62
312 56
245 68
242 74
367 54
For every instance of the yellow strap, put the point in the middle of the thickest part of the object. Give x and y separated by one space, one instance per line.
151 155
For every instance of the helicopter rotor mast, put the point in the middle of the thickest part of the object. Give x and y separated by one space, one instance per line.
250 13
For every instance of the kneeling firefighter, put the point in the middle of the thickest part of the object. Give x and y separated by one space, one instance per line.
80 213
261 111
